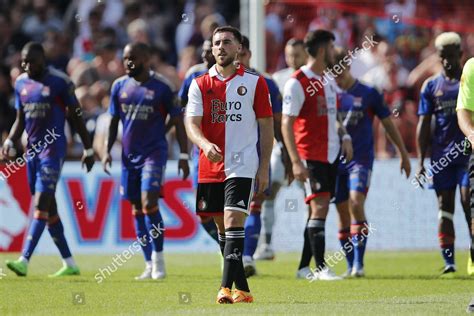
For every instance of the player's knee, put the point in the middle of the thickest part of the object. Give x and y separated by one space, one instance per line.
137 212
150 208
40 214
220 224
234 219
204 219
53 219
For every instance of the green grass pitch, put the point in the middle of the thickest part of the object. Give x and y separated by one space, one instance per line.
397 283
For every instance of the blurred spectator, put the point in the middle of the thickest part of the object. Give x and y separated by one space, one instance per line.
107 62
83 45
42 19
11 41
111 13
187 58
138 32
56 50
7 107
159 65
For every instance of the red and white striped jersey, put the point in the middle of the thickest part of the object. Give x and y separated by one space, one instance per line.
313 100
229 108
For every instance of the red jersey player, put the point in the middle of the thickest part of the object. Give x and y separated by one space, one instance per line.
312 135
227 115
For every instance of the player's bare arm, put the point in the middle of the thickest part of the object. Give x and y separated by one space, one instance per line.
299 170
112 136
266 145
284 152
346 141
15 133
75 119
396 138
193 129
183 145
423 139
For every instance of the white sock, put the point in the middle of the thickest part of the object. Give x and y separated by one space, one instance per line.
23 259
69 262
157 256
247 258
148 264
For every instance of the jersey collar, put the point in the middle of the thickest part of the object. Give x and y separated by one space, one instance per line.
239 71
309 73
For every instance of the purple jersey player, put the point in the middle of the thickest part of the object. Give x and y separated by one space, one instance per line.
448 163
358 105
142 100
44 98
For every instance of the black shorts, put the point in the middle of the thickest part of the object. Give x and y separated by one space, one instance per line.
234 194
322 179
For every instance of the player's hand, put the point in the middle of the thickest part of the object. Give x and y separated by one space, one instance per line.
405 166
212 152
107 160
262 179
420 176
87 161
8 150
346 149
300 172
183 165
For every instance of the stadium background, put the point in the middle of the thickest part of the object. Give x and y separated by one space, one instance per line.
85 38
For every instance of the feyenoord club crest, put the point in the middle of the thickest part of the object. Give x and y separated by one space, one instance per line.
202 204
241 90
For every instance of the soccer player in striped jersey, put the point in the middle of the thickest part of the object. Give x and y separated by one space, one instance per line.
448 163
295 57
253 222
228 112
44 98
465 109
358 105
313 138
142 100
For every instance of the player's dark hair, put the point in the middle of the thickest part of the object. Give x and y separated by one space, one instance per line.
245 42
230 29
295 42
314 40
34 47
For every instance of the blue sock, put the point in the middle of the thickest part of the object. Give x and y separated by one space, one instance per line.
143 236
447 251
56 231
253 224
211 229
155 226
34 234
347 246
359 239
